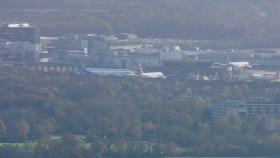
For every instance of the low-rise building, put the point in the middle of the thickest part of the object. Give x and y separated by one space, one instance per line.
72 42
243 109
174 55
147 57
20 32
97 45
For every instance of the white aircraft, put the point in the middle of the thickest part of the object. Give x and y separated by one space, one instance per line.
240 64
143 74
120 72
104 71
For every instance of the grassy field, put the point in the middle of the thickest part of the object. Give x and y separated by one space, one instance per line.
144 146
33 143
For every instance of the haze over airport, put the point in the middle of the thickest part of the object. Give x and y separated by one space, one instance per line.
255 20
139 78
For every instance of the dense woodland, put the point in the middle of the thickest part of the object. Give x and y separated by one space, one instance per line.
251 20
124 117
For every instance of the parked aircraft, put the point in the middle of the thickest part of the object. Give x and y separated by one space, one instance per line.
143 74
105 71
120 72
239 64
242 64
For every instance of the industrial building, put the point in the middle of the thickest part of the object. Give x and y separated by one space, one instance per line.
20 33
241 109
22 42
19 42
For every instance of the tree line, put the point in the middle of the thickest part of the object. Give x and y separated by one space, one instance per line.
124 117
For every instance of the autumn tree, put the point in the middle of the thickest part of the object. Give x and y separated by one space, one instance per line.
3 129
23 128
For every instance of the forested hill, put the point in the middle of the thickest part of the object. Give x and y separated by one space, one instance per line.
43 115
195 19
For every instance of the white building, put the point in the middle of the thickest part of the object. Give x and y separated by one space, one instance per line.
171 55
23 46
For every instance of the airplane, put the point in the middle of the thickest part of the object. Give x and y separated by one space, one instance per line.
120 72
240 64
104 71
143 74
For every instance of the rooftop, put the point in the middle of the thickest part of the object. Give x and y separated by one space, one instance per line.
16 25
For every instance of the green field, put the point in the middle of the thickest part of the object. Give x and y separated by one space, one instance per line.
33 143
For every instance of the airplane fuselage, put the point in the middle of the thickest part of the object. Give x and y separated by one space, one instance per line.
110 72
152 75
120 72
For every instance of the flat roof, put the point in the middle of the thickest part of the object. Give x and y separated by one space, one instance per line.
16 25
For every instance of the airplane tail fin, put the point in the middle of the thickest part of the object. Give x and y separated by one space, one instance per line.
196 58
228 59
139 69
82 69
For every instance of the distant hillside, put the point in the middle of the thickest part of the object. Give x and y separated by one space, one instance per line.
195 19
